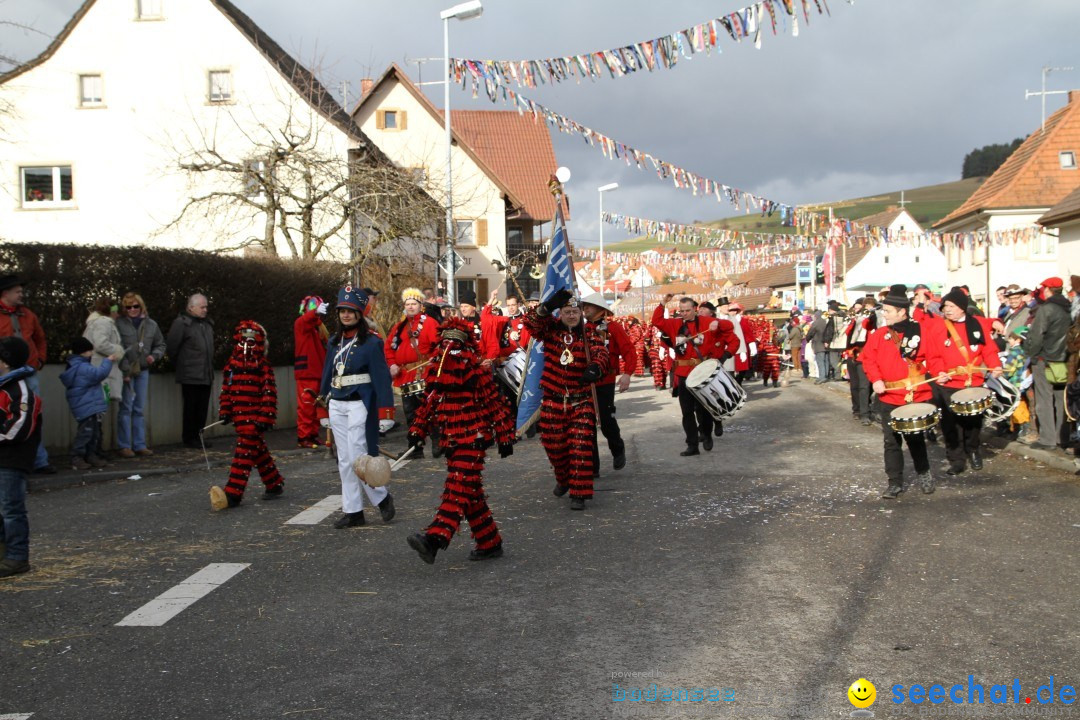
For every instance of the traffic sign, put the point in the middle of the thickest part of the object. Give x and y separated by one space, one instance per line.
451 255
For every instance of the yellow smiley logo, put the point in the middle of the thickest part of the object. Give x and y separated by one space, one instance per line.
862 693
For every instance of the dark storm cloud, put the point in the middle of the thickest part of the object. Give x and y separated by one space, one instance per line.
877 97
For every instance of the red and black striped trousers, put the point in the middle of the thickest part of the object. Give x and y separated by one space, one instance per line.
568 436
656 363
463 495
251 451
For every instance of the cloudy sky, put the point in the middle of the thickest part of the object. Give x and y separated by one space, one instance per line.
880 96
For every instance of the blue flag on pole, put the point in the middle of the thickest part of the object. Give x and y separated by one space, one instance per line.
559 276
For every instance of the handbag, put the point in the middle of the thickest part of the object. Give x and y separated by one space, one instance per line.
1057 373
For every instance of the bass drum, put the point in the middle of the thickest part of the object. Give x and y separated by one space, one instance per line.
1005 401
715 389
512 372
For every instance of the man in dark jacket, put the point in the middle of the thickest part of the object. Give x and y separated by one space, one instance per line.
1045 344
190 344
17 320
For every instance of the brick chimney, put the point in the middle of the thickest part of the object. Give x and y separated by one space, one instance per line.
365 86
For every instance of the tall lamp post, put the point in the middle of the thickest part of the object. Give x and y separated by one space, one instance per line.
463 11
603 189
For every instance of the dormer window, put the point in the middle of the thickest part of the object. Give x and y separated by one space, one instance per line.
150 9
1067 159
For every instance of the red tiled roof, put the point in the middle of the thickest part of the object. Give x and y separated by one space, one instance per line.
1032 177
517 149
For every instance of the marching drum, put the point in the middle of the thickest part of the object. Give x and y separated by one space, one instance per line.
413 388
914 418
715 389
512 372
971 401
1005 400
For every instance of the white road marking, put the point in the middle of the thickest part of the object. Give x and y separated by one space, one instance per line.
317 512
176 599
16 716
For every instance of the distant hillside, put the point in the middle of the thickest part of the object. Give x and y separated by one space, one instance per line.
926 204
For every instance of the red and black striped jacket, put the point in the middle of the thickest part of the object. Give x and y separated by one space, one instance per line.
559 379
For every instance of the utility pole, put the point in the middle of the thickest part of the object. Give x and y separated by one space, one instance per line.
1046 70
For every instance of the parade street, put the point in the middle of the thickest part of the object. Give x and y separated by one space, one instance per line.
769 567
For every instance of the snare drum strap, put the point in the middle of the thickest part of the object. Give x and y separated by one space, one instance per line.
963 350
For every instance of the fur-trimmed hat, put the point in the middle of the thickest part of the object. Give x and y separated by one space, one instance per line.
411 293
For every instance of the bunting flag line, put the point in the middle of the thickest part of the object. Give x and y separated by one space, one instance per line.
660 52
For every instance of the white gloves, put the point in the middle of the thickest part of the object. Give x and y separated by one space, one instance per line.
324 422
321 310
753 348
386 426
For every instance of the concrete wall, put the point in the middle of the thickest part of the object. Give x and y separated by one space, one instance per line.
163 416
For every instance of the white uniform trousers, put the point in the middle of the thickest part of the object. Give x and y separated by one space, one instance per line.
348 419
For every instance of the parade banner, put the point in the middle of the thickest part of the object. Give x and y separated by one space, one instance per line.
659 52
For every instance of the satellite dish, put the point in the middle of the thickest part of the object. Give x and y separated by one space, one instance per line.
562 174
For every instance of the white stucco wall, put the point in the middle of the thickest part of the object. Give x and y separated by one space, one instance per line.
422 144
883 266
1021 263
124 155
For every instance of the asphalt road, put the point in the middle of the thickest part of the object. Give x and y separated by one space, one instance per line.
769 567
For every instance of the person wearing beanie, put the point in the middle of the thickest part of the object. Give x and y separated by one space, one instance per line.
894 359
407 351
86 399
960 352
355 385
1045 346
20 436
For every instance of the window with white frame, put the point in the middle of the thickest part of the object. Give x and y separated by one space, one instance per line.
221 88
1067 160
255 178
47 186
91 91
150 9
463 232
1042 247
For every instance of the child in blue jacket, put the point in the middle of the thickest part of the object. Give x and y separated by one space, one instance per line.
86 398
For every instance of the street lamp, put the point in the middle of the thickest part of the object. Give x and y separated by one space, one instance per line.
603 189
463 11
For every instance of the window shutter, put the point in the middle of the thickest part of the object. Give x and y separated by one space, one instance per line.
380 119
402 120
481 233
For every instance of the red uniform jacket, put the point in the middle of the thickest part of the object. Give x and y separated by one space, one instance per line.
309 348
688 355
30 330
496 335
618 345
410 343
944 355
881 359
744 354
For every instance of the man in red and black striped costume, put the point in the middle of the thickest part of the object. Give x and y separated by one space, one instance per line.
462 401
567 411
249 401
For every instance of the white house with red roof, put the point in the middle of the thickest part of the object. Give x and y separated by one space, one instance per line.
501 162
1036 177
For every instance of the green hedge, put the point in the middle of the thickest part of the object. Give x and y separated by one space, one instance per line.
62 282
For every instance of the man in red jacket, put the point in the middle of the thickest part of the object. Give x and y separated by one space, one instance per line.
618 345
695 339
17 320
894 359
407 352
309 356
960 351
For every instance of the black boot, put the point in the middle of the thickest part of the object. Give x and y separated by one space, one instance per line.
489 554
424 546
718 428
560 490
349 520
386 508
926 482
272 493
706 442
976 461
690 450
956 468
619 461
893 492
577 503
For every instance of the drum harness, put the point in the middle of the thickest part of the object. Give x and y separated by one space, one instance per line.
916 372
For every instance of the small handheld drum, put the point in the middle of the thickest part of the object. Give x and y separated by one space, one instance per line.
914 418
512 372
715 389
413 388
971 401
